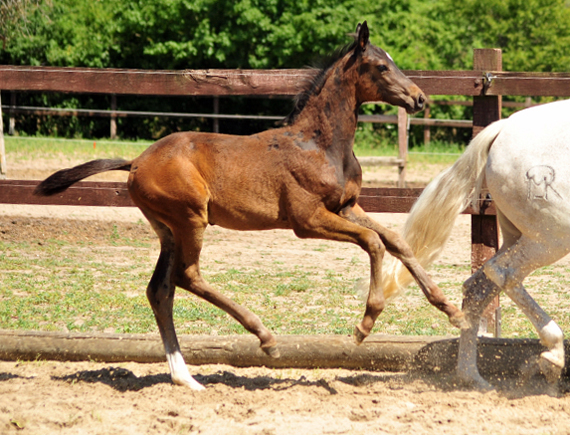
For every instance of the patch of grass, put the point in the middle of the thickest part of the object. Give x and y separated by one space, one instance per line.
27 148
21 148
56 286
368 143
300 285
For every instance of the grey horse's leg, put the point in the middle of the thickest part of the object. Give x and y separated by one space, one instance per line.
517 258
478 292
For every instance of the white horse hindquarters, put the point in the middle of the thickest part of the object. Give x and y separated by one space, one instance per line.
526 161
528 174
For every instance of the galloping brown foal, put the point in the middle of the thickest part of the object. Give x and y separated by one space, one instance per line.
303 177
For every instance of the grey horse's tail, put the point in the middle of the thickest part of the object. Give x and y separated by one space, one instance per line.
433 215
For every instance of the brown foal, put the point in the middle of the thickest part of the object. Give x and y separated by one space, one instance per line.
303 177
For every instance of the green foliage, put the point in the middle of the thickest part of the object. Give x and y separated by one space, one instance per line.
263 34
223 33
65 33
420 34
533 34
14 19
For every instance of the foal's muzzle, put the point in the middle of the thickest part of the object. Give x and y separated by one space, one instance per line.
418 100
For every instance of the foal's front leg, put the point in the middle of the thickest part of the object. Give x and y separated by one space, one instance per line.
398 247
326 225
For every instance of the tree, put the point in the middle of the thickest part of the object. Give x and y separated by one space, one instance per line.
14 17
534 35
65 33
262 33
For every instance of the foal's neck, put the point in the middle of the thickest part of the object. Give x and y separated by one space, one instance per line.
330 115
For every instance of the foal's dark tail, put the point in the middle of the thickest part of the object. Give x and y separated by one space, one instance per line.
61 180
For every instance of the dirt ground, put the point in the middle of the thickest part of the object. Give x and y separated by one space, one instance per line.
130 398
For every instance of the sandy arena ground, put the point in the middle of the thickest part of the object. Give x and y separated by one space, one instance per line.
45 397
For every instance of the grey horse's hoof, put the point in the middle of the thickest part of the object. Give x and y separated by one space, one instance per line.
473 381
549 369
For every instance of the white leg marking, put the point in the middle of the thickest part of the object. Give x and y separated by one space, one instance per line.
179 372
552 337
550 333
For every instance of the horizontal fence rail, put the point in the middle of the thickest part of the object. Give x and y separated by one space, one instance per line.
36 110
115 194
262 82
383 119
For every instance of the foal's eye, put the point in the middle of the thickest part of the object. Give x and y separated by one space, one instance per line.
382 68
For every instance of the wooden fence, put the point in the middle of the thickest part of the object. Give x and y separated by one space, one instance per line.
486 84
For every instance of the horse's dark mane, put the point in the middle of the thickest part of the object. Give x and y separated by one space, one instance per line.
314 85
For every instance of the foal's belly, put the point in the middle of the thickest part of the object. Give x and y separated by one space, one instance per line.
244 217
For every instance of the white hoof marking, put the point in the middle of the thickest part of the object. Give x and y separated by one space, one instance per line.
179 372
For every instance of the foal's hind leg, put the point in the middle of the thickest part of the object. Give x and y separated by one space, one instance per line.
160 293
188 277
398 247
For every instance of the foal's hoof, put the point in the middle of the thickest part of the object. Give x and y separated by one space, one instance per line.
459 321
271 349
359 336
273 352
187 381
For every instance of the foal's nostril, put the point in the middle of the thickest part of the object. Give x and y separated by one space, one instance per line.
421 101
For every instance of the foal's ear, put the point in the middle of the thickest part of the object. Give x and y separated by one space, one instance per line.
363 34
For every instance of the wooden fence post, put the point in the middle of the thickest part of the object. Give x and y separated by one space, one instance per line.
484 229
12 124
216 112
113 116
2 148
427 130
402 146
